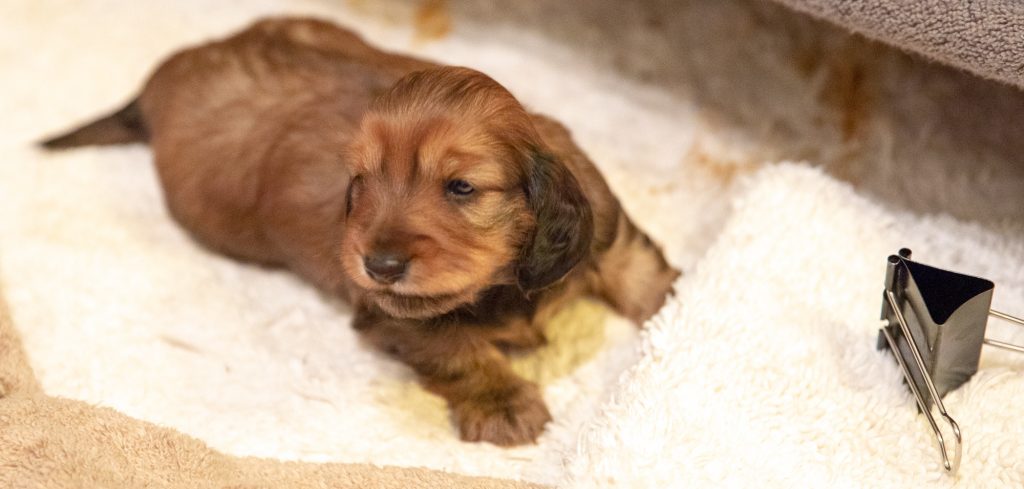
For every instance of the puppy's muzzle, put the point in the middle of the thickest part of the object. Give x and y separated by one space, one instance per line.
386 267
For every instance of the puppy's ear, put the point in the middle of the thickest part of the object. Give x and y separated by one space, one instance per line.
564 226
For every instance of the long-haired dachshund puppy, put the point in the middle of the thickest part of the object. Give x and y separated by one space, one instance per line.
451 218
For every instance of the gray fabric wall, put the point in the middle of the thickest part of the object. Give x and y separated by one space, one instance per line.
982 36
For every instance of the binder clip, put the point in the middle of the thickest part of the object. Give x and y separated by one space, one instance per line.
934 323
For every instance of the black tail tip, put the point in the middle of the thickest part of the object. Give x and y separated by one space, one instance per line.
55 143
124 126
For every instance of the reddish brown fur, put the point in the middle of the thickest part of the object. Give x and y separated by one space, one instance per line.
294 143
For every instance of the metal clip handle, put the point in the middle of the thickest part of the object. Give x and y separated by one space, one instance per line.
1002 344
953 465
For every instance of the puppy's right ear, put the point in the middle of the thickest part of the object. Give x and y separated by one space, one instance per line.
564 224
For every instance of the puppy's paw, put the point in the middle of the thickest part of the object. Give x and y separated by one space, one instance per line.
515 416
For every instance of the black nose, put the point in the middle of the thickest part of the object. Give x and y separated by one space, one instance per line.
386 268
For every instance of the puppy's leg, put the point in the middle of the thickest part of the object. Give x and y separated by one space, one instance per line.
517 334
488 401
632 275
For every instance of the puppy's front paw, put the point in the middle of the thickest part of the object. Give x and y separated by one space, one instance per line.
512 416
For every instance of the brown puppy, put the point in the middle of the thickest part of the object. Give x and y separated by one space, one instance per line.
453 220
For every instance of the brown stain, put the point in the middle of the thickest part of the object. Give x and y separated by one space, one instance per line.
664 188
716 168
847 70
181 344
710 156
846 92
806 60
432 21
845 65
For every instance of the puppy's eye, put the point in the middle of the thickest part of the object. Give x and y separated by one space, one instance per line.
459 188
351 192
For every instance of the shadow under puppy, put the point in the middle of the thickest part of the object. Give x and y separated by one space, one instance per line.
453 220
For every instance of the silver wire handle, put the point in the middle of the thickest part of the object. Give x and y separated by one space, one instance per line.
1002 344
950 466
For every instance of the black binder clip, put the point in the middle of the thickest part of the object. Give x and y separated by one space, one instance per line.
934 323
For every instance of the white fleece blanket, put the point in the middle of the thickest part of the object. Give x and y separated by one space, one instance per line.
761 372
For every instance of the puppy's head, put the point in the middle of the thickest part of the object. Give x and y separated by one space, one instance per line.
452 193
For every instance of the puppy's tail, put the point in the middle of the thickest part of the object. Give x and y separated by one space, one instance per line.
124 126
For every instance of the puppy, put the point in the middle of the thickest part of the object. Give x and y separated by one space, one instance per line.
451 218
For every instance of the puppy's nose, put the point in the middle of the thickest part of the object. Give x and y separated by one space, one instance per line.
386 267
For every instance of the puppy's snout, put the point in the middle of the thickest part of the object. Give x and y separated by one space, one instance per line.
386 267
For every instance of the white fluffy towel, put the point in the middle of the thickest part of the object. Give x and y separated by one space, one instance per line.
763 372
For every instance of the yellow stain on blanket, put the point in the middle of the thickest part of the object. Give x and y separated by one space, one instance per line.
575 335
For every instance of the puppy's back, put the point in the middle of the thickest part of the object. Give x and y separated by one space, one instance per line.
219 115
259 106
